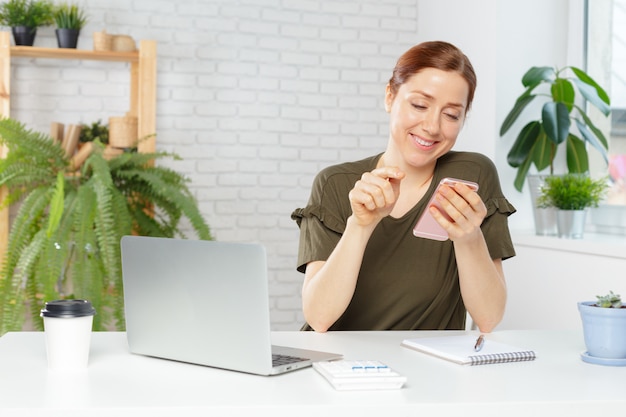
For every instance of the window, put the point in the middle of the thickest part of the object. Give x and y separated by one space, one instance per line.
606 63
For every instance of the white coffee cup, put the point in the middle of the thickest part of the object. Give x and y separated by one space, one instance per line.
67 325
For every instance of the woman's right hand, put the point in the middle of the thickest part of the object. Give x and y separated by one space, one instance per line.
375 194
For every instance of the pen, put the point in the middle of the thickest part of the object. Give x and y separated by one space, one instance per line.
479 343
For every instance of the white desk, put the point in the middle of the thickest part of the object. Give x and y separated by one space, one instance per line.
118 383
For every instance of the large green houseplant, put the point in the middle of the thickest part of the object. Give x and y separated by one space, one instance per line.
65 238
537 142
24 17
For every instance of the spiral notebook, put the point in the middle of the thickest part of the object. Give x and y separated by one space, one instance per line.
460 349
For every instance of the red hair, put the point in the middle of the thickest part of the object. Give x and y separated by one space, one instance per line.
435 54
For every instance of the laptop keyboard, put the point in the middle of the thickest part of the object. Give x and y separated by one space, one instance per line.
278 359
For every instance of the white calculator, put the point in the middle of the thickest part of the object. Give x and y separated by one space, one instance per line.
347 375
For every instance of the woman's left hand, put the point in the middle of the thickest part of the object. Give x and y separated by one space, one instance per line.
464 206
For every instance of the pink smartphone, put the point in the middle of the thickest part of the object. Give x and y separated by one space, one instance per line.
426 225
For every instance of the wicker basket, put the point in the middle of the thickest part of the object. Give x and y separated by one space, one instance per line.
123 43
102 41
123 132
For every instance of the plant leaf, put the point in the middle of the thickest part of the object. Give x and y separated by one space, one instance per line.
522 171
577 158
589 137
523 144
543 152
519 106
56 205
594 129
536 75
584 77
598 91
556 123
563 91
591 95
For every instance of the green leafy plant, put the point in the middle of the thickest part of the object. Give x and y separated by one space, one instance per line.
95 131
609 301
538 140
572 192
29 13
65 238
69 16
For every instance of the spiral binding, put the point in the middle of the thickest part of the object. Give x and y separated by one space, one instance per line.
502 357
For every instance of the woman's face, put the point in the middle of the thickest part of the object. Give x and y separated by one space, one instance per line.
426 115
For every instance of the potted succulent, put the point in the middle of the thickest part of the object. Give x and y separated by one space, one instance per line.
69 19
562 123
64 240
24 17
571 195
604 330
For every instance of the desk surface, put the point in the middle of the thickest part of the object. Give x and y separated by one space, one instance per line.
123 384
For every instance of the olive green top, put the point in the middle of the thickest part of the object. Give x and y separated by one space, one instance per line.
405 282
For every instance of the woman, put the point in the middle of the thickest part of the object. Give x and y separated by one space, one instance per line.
364 269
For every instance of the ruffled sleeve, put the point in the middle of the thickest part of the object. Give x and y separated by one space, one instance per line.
321 227
320 214
496 230
500 205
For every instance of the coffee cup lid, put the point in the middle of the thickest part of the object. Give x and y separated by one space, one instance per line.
68 308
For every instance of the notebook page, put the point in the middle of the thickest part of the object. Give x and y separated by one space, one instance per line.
460 349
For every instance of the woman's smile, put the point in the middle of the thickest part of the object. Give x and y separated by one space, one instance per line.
422 143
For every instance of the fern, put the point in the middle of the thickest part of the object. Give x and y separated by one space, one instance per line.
24 230
168 191
64 240
26 268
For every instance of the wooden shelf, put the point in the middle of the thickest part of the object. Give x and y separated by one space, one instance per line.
66 53
142 75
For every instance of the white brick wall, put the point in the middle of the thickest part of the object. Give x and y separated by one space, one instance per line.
256 96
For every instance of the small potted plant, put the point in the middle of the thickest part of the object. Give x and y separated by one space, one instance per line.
604 330
24 17
69 19
571 195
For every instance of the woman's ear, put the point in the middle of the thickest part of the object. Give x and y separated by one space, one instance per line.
389 96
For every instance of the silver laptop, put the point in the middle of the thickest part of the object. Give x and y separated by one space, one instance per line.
203 302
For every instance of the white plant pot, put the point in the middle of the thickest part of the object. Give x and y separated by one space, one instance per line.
571 223
545 218
604 331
